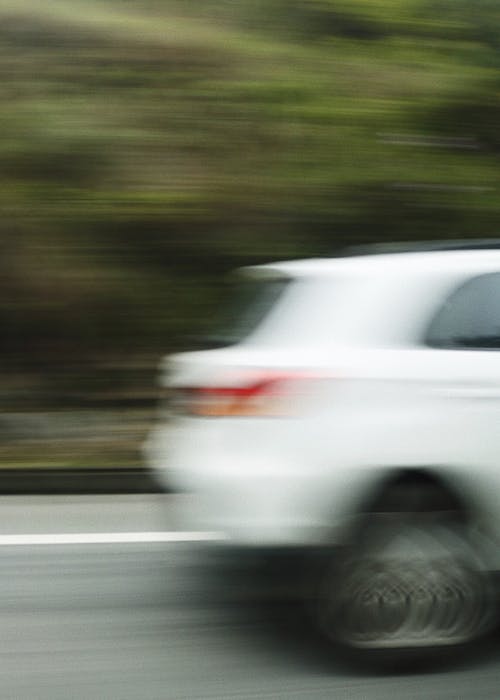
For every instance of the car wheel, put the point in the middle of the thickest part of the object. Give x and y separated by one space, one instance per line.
406 584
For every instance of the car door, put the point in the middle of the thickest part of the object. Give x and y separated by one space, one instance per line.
464 337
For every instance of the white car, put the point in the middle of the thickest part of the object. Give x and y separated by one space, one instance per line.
354 401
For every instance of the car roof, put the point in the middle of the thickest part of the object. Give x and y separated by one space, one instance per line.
456 261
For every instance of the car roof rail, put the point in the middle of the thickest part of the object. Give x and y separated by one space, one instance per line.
419 246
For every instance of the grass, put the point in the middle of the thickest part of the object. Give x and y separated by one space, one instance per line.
100 440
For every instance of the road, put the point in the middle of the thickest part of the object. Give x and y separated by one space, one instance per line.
147 620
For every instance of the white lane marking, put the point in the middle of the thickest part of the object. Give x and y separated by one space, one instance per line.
107 538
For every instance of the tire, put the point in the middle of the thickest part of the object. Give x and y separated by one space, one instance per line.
407 585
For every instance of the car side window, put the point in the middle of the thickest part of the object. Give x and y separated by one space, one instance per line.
470 317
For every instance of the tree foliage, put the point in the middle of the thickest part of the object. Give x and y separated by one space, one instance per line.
150 146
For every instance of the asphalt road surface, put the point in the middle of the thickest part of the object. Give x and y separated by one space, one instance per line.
156 619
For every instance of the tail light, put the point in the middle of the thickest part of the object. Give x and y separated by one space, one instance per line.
273 394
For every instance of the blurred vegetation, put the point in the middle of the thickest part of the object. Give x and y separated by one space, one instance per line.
150 145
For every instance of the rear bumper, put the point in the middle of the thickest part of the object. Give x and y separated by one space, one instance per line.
253 518
253 497
247 510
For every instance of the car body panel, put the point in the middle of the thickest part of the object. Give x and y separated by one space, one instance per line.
379 400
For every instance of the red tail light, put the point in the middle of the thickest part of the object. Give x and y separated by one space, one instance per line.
273 394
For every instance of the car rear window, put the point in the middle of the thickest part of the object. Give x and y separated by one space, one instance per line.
247 302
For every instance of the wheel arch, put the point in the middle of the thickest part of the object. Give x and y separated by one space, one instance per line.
417 488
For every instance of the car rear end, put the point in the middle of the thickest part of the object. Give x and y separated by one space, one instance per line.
310 388
234 419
